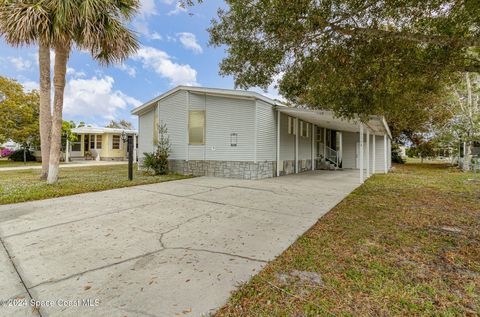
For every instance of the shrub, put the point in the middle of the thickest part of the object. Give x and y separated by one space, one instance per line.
17 156
157 161
5 152
396 157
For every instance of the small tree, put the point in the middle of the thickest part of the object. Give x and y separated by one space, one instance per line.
157 161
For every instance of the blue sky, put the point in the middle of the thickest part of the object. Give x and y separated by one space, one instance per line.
173 51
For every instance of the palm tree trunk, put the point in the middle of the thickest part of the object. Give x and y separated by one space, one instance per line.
60 70
45 106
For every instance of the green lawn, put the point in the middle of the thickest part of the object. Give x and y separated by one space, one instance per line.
8 163
402 244
25 185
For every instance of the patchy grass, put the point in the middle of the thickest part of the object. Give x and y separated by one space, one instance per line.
25 185
402 244
8 163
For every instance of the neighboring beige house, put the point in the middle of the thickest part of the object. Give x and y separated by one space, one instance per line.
101 144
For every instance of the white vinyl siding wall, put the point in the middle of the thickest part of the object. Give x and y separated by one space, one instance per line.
173 113
349 155
145 133
225 116
287 141
304 143
266 121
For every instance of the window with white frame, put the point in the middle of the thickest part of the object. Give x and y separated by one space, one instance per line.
115 142
196 127
99 142
92 141
305 129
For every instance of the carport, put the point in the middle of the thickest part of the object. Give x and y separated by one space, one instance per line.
371 151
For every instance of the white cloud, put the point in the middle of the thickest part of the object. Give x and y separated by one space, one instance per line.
155 36
189 41
74 73
95 97
179 8
131 71
168 1
20 63
162 64
147 7
30 85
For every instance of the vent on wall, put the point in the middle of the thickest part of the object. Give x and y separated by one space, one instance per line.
233 139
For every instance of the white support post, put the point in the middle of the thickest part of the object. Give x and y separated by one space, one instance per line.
67 151
373 153
361 153
324 143
313 147
368 153
296 145
187 130
385 153
340 150
134 148
278 143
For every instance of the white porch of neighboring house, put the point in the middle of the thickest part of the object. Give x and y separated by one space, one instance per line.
101 144
315 139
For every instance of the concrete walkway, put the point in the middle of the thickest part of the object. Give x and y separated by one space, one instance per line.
65 165
176 248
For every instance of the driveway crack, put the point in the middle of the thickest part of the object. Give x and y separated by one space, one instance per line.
218 252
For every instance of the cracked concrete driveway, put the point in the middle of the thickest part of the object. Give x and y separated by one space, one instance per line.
175 248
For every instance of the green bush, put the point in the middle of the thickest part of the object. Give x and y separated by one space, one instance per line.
157 161
396 157
17 156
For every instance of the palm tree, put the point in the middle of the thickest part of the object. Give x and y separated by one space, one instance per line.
25 23
94 25
97 26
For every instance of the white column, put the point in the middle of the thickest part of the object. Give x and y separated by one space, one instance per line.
373 153
385 153
278 142
296 145
324 143
361 153
340 150
134 148
67 151
313 147
368 153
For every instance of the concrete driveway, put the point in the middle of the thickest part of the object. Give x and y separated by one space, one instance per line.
176 248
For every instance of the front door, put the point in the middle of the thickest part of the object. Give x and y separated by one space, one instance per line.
86 142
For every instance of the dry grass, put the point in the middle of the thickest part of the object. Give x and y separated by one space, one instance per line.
403 244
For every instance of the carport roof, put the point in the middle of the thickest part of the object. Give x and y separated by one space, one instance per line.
327 119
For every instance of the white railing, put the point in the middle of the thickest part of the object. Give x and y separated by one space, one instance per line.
331 155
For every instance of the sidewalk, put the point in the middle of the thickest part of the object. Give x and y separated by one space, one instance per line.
66 165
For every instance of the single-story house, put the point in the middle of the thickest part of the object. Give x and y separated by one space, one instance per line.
101 144
243 134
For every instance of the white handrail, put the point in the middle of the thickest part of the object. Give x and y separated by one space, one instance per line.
331 155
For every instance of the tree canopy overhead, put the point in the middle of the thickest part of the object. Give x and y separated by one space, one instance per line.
353 56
